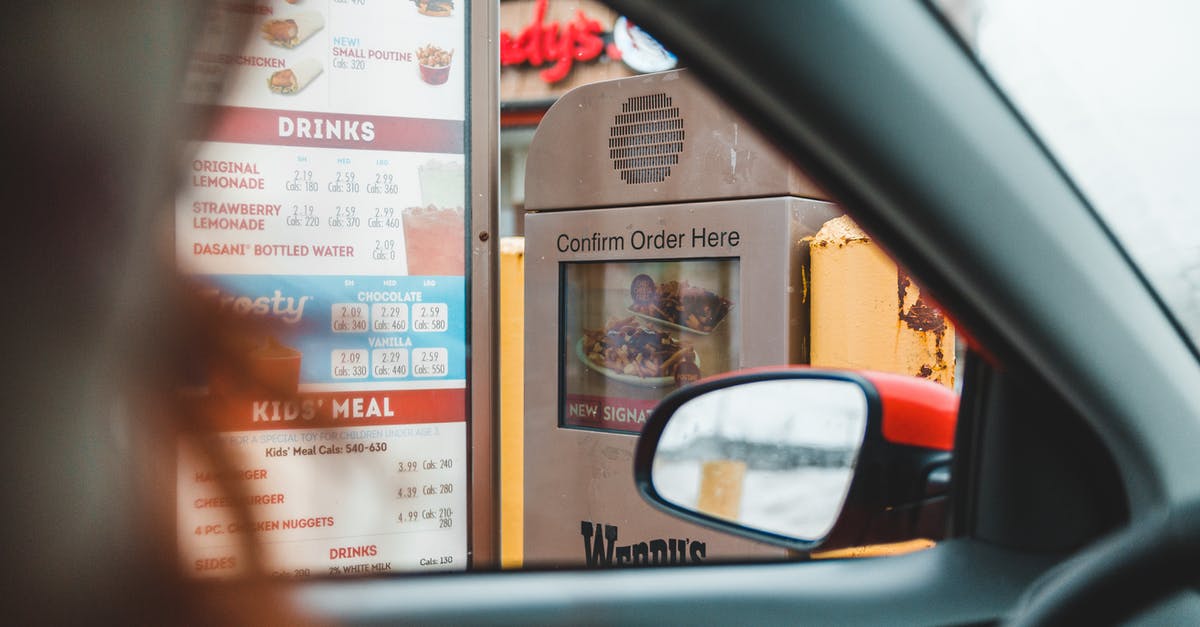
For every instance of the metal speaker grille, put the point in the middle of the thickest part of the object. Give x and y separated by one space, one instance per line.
646 139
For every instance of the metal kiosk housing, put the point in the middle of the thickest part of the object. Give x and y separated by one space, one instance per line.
659 156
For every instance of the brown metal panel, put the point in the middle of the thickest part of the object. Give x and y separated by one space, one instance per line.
575 477
483 537
648 140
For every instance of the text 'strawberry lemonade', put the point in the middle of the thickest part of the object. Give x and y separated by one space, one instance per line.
433 240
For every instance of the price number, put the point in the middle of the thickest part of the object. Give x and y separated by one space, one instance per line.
345 216
387 318
430 362
430 317
389 363
350 318
303 215
345 181
350 364
385 250
384 217
383 184
302 181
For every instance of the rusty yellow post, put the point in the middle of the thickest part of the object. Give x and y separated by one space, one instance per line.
512 401
868 314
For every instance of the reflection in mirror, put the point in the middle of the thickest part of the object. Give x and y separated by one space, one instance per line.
776 456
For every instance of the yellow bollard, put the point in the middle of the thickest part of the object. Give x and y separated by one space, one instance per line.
867 314
512 401
721 488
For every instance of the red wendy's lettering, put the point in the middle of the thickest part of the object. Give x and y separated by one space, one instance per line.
539 42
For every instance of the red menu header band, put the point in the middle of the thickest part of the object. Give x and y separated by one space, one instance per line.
245 125
339 409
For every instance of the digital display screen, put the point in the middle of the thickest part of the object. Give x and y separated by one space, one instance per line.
632 332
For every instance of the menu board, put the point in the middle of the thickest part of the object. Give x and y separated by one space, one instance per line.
327 197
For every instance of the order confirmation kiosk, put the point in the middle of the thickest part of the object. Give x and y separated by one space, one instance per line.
666 241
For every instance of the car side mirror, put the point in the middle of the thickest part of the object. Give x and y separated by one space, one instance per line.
803 458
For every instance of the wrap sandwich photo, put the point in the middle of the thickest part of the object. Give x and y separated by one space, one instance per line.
292 80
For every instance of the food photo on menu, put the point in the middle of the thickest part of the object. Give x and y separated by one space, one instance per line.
432 228
434 63
435 8
293 79
635 331
292 31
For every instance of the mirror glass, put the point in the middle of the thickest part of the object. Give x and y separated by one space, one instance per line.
775 456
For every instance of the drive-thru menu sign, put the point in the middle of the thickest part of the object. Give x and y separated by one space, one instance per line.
329 196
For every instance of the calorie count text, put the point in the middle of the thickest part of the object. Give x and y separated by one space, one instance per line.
350 318
343 181
430 362
304 216
349 64
385 250
350 363
389 318
389 363
385 217
444 517
410 494
307 216
429 317
344 216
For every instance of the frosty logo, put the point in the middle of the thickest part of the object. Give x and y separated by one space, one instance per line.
600 548
289 309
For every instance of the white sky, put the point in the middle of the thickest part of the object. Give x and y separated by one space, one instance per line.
1114 89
